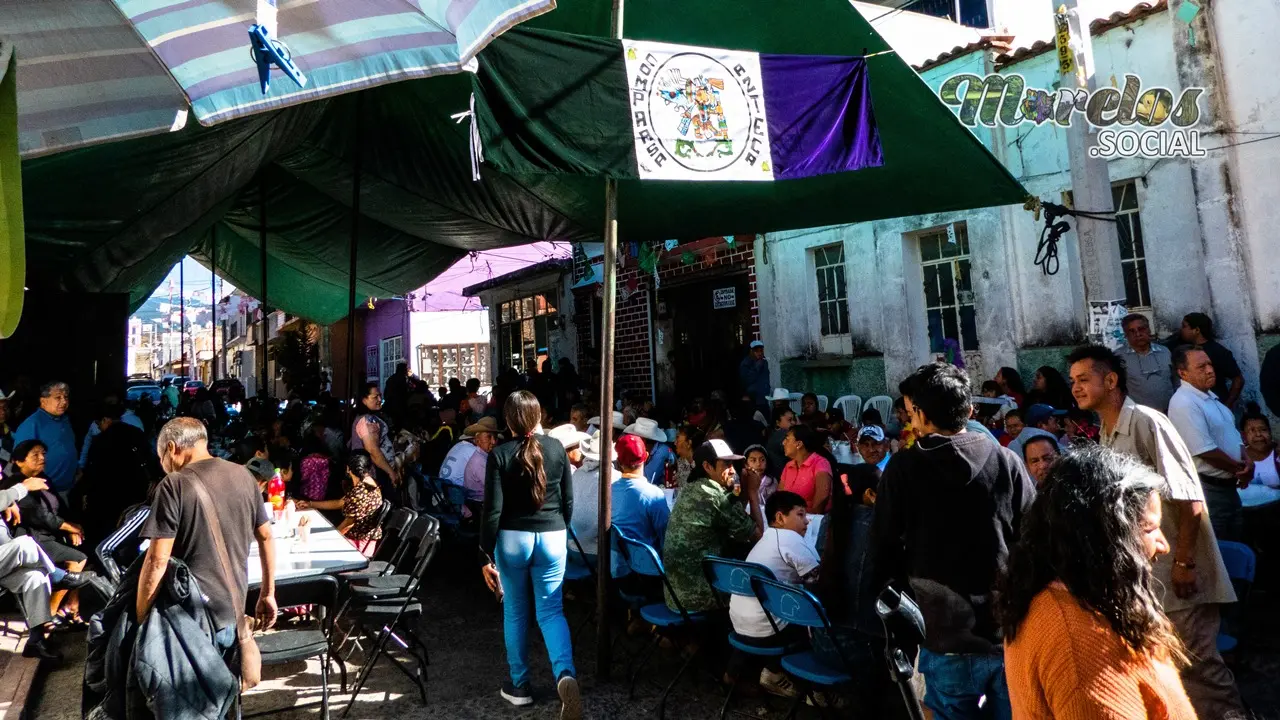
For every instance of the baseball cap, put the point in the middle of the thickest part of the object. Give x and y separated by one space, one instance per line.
755 344
713 450
874 432
630 450
1040 412
260 468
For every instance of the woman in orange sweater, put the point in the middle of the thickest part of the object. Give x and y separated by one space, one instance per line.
1085 637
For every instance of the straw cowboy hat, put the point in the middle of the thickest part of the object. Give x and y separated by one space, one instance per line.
483 425
647 429
780 394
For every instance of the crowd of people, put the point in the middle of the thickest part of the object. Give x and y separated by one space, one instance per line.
1085 511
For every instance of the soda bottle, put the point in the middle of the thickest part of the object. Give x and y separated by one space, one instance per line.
275 491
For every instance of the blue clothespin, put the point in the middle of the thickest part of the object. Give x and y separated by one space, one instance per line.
266 52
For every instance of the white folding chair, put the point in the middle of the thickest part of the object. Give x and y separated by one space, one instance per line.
883 403
795 402
822 403
851 406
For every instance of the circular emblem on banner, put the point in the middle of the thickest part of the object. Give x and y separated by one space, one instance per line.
700 112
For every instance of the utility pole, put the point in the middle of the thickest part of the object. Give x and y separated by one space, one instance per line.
1090 183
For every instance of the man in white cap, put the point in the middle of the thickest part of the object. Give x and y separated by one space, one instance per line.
707 518
655 442
753 373
586 496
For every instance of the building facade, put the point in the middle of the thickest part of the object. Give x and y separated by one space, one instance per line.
855 308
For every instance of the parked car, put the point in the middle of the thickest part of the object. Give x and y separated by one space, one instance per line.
231 390
150 392
191 387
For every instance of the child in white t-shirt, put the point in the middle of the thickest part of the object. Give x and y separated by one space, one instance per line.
784 551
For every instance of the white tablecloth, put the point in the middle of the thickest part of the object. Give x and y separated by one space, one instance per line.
324 553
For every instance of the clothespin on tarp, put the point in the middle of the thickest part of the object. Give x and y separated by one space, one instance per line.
266 50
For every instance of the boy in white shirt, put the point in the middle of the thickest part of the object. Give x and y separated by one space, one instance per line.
784 551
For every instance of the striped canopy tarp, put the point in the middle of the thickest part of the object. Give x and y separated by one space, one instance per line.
340 45
97 70
84 76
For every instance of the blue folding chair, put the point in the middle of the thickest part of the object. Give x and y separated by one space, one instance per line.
733 577
668 623
795 605
1242 566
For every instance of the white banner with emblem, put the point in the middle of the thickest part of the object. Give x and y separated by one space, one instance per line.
697 113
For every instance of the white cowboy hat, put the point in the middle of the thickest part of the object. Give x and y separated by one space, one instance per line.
617 420
568 435
646 428
780 394
590 448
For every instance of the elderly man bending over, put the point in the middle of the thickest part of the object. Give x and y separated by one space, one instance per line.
30 575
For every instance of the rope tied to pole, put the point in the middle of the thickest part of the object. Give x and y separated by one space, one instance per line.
473 132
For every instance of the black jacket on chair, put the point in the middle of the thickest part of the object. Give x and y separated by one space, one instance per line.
168 666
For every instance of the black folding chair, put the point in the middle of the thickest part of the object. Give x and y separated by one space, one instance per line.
389 603
391 547
291 645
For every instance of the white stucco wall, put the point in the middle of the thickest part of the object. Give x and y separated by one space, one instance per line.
1017 306
447 327
1248 57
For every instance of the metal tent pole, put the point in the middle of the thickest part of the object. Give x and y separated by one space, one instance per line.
266 311
213 305
351 287
182 319
604 659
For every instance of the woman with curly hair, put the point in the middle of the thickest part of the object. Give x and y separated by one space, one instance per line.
1085 636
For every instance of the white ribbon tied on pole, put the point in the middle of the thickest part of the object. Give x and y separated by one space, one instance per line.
477 150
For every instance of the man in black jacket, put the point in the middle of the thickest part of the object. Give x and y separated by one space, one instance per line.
947 510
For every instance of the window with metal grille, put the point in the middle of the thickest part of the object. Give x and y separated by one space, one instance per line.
392 354
948 289
524 332
1133 254
438 363
833 292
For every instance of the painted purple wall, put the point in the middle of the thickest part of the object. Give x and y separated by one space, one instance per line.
387 319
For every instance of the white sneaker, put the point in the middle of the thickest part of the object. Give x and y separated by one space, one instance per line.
777 683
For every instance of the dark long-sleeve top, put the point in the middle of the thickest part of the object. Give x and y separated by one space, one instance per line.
39 509
508 500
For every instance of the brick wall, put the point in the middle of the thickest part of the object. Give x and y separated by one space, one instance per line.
633 344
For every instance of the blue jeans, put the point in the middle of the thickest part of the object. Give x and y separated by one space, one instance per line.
954 683
532 569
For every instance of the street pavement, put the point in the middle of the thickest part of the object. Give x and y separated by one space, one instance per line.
464 634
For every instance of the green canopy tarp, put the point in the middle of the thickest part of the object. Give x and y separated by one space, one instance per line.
116 217
13 263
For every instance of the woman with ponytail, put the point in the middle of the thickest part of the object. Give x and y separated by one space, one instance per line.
528 503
